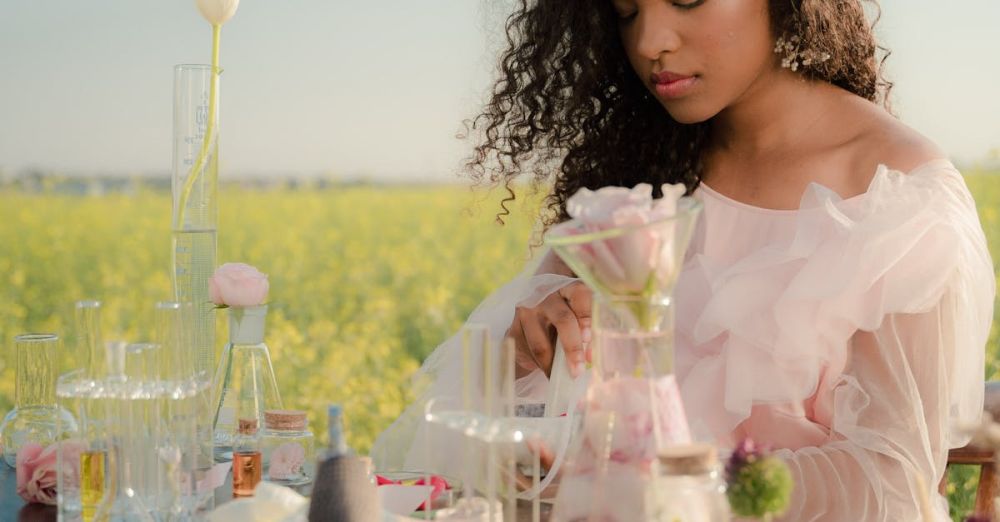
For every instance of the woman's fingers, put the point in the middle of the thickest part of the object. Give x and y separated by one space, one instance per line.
579 298
525 362
535 343
564 314
567 326
545 455
568 310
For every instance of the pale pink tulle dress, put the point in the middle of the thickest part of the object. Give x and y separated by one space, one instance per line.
849 335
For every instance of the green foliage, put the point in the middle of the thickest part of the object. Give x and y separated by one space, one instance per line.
365 281
762 486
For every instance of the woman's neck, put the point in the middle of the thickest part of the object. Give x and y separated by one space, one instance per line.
775 113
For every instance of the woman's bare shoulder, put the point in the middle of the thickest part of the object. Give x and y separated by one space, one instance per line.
882 139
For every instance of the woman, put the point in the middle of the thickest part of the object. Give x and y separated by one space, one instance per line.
837 295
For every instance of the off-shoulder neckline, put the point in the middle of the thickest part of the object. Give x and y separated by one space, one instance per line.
944 162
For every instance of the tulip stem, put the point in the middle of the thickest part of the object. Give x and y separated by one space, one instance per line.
198 168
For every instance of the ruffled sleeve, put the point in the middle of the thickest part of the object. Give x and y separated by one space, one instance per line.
857 345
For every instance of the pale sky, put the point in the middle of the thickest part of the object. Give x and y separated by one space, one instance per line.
368 87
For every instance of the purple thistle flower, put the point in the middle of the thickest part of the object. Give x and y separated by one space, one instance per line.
746 452
978 518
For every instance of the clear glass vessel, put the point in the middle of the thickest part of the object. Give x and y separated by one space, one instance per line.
86 484
247 459
690 486
36 417
289 448
244 383
632 408
195 200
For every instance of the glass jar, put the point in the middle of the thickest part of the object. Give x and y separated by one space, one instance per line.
690 486
288 448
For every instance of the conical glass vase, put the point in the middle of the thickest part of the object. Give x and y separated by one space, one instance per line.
244 382
632 408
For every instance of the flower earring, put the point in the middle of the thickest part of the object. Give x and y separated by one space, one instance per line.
793 54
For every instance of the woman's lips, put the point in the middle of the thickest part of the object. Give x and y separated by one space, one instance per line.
673 85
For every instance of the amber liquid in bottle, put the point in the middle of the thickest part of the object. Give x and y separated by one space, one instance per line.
92 477
246 472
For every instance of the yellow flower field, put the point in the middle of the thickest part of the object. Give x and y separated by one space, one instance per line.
365 281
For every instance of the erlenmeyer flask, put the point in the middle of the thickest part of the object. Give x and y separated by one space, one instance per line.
244 382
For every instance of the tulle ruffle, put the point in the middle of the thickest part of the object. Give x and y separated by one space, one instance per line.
773 328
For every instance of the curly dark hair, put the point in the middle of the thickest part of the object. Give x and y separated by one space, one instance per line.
567 102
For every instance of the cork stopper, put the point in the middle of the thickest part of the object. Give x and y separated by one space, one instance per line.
248 426
285 420
688 459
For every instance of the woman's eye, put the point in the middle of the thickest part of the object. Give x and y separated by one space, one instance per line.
689 5
627 17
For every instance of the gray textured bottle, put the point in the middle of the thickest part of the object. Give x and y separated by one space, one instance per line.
342 491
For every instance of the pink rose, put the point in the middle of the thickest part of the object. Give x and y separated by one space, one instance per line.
36 470
237 284
625 262
286 461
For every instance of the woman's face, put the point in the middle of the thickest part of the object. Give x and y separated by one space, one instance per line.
697 57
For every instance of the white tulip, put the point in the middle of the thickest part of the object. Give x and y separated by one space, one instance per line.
217 12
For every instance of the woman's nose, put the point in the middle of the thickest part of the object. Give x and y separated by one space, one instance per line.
655 32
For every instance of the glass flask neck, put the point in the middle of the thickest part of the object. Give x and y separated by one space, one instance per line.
35 382
246 324
633 336
335 431
88 321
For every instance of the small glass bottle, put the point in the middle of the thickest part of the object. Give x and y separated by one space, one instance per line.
289 448
246 459
690 485
337 443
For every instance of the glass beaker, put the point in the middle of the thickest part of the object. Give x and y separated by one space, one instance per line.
36 417
244 382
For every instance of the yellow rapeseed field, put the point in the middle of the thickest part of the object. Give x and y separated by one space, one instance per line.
365 281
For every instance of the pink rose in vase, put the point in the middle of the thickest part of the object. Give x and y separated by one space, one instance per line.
37 470
237 284
624 263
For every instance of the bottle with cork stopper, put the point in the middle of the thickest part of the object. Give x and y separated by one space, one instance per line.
246 459
288 447
690 484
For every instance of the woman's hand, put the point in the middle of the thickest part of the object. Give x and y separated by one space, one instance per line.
564 314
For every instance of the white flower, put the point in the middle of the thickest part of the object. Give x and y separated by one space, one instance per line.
217 12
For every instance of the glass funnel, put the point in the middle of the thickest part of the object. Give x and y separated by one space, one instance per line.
36 417
244 382
632 408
